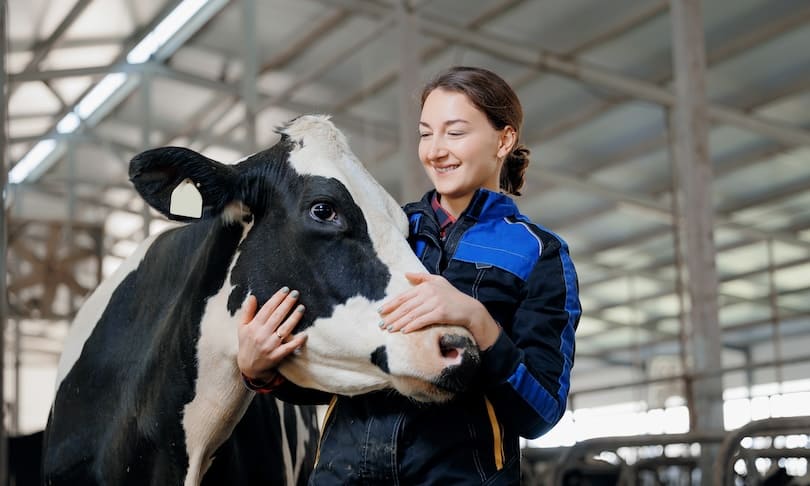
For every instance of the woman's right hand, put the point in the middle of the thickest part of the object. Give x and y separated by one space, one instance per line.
264 337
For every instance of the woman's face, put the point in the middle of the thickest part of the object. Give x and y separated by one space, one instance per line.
459 148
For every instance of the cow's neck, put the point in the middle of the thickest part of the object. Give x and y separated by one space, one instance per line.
220 398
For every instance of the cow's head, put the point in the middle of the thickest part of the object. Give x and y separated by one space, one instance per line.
315 220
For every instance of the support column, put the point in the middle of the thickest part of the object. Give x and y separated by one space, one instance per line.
413 179
691 155
146 136
250 61
3 237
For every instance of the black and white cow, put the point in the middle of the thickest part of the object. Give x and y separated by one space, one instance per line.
148 390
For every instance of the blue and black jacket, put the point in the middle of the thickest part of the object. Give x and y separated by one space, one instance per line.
524 276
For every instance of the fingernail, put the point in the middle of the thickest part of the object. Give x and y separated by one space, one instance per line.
379 310
285 289
391 328
381 324
294 294
300 308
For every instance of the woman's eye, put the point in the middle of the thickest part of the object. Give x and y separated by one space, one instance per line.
424 135
323 212
455 134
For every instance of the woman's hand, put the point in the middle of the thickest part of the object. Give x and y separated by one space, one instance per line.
433 300
264 337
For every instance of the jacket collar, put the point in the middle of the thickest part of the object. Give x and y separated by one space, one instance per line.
485 205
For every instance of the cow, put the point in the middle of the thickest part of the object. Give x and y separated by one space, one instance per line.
148 389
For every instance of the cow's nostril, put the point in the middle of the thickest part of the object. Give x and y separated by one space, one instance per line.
449 348
454 348
450 353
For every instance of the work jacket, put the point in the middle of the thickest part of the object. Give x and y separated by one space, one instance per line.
524 276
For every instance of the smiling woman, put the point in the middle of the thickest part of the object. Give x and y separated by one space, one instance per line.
510 283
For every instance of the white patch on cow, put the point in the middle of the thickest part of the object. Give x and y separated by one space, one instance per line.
220 398
293 471
234 212
92 309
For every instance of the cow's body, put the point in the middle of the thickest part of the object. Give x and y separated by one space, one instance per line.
135 416
148 388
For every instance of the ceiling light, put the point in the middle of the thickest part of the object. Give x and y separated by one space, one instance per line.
167 30
31 161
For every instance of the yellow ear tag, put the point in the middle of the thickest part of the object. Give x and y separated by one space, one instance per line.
186 200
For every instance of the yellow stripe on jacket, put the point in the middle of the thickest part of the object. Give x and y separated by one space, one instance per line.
497 435
323 426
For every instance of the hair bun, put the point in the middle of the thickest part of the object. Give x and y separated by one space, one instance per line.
514 169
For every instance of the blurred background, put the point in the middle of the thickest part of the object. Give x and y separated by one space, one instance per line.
670 148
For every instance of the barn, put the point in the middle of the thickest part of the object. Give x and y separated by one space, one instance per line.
670 148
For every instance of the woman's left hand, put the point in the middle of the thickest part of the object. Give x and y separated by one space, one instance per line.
433 300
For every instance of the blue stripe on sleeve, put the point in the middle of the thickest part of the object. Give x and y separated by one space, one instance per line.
573 308
535 395
524 383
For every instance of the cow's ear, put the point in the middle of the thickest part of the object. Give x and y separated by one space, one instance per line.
158 172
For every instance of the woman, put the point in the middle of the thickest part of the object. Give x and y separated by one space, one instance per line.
510 282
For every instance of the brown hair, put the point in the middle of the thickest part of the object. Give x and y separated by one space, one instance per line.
498 101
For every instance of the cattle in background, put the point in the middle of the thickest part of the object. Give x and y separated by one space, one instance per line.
148 391
25 459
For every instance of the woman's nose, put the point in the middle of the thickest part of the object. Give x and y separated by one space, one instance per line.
437 149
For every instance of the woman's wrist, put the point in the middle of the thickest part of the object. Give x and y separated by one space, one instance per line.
484 328
266 383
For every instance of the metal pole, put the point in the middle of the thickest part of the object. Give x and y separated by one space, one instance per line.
773 300
690 147
146 136
414 181
3 237
15 408
684 331
250 57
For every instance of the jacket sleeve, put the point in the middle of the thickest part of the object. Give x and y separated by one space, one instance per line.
526 373
288 391
291 393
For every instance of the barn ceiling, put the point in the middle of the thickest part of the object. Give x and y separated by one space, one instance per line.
595 79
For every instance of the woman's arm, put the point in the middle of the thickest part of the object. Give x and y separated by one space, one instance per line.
526 374
434 300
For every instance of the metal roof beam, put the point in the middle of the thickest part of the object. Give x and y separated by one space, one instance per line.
45 48
599 76
659 211
715 56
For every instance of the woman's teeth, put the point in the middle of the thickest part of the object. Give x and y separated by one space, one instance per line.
446 169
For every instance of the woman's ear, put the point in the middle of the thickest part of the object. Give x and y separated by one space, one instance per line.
507 141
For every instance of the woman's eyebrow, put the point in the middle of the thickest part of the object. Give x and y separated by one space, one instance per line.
446 123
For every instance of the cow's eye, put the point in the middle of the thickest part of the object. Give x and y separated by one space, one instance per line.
323 212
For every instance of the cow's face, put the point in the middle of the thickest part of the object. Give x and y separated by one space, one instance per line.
316 221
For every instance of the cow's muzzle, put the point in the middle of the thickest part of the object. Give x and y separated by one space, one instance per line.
461 358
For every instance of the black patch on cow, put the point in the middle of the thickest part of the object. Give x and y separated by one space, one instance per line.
138 366
457 378
253 454
379 358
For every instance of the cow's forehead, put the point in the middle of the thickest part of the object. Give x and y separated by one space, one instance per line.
319 148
